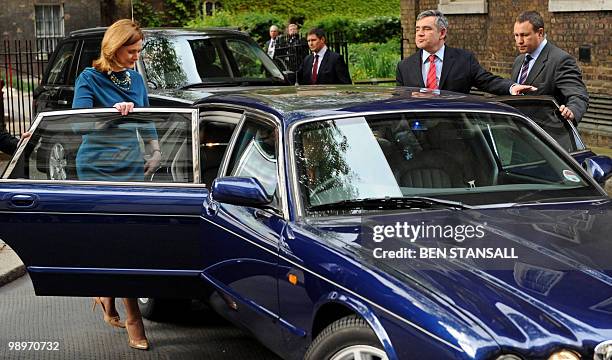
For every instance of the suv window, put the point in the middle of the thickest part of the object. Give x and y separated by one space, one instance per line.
58 72
247 63
90 51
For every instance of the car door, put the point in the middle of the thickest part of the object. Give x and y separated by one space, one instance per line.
244 241
110 234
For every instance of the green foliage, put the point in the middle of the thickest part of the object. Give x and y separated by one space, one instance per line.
312 9
256 24
176 12
375 29
373 60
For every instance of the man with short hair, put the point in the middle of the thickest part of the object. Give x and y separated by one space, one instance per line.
440 67
270 45
322 66
551 70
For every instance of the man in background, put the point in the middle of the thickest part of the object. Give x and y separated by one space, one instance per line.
551 70
441 67
270 45
322 66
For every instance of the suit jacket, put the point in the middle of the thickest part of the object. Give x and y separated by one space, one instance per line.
267 45
460 71
556 73
332 70
8 143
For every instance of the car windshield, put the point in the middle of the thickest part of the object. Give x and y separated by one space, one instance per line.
465 157
179 61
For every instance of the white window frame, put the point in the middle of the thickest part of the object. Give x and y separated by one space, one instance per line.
579 5
450 7
48 41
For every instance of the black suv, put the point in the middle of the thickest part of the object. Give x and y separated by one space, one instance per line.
179 66
171 59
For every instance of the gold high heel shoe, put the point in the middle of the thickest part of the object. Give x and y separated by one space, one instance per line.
111 320
136 344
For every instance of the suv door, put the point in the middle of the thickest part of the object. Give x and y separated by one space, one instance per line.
55 91
129 238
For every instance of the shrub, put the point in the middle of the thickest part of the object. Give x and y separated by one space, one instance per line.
373 60
376 29
256 24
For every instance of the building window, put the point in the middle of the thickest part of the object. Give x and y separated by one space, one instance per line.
49 26
210 7
579 5
449 7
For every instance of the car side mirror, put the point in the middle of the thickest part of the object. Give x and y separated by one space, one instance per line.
599 167
243 191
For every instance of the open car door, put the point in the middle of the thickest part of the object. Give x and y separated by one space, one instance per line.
118 232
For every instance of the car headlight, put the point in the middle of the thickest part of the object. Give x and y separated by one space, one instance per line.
564 355
603 351
508 357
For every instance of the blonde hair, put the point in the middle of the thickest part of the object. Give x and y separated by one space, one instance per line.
123 32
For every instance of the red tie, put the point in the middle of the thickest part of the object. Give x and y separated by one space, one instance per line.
432 81
314 69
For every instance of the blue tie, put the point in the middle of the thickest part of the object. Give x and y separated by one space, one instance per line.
525 69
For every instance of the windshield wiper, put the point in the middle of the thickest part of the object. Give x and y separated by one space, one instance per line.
390 203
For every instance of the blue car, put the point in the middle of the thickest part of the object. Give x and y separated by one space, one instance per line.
332 222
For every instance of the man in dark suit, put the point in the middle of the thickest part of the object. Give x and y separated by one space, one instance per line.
437 66
270 45
322 66
551 70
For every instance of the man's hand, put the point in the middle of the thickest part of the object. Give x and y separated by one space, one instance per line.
566 113
518 89
124 107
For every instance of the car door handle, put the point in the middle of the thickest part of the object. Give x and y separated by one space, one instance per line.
23 201
62 102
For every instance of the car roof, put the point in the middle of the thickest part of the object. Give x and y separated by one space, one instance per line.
99 31
293 103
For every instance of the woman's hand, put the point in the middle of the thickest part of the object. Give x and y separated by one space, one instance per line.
124 107
153 163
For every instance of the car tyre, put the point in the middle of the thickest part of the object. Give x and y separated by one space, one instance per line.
346 339
160 309
60 161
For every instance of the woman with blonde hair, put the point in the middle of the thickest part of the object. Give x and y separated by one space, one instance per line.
112 82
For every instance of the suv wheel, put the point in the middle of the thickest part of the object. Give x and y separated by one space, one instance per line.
349 338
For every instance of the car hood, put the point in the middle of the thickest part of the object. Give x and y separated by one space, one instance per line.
559 287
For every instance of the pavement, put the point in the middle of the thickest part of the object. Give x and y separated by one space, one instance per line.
11 266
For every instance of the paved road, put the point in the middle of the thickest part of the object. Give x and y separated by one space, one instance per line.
81 333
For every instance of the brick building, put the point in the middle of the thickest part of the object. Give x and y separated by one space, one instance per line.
47 21
485 27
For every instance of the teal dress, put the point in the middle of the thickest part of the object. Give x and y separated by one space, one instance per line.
111 153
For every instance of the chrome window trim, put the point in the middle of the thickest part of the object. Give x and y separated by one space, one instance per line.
298 206
361 297
195 157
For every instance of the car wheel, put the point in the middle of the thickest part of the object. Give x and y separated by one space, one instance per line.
60 162
160 309
349 338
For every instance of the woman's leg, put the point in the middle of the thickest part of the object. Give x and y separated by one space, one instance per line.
134 325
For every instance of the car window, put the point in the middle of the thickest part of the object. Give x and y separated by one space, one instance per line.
214 141
90 51
464 156
546 115
168 62
255 155
105 146
248 63
58 71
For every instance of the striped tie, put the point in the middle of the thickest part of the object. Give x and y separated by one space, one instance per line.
432 80
525 69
